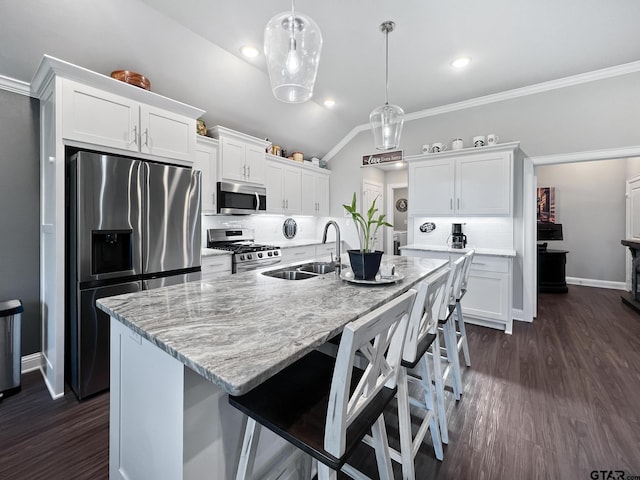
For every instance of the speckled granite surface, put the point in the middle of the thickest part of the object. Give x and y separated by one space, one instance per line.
239 330
438 248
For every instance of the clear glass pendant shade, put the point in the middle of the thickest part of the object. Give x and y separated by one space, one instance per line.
292 45
386 123
387 120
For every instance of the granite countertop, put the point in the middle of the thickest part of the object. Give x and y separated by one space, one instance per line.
239 330
496 252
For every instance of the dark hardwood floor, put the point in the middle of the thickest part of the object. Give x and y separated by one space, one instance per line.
557 399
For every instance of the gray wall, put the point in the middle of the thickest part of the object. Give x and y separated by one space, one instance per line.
19 211
590 205
591 116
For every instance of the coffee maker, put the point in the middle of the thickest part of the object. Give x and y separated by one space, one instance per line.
458 239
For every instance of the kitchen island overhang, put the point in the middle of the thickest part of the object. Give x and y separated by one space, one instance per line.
232 334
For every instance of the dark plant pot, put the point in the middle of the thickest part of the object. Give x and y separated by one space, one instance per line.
365 266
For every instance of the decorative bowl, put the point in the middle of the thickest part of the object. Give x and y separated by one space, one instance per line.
132 78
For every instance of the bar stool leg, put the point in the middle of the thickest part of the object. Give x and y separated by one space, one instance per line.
404 423
425 376
248 452
326 473
437 379
381 445
463 334
451 345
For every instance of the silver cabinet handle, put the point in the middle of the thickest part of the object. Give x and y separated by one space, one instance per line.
249 171
283 203
135 134
451 204
257 201
146 137
244 171
287 203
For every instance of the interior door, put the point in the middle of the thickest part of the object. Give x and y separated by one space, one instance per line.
371 191
633 220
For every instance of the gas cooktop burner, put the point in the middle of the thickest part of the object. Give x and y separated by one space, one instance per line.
247 255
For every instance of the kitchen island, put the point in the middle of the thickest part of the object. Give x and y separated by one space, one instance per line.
176 353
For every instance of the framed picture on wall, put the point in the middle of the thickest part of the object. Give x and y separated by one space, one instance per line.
546 205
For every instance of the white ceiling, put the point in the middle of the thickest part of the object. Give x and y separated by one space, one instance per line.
190 51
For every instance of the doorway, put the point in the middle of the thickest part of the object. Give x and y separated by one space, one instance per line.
397 215
530 215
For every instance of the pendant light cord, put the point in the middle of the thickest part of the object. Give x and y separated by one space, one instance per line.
386 79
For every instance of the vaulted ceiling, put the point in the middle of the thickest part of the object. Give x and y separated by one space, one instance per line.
190 52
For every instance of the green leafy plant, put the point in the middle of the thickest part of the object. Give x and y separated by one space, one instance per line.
366 227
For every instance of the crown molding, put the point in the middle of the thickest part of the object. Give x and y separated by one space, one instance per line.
15 86
587 156
573 80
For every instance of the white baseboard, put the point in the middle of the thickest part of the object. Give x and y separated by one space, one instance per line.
31 362
518 314
589 282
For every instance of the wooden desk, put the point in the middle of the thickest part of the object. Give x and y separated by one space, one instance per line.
552 271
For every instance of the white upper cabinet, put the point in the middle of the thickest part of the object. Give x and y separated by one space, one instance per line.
206 158
465 182
94 116
241 157
315 192
284 187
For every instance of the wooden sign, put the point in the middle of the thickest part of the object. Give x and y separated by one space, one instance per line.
380 158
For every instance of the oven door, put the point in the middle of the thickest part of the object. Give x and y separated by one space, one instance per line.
241 199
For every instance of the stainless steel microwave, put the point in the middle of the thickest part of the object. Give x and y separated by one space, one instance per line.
240 198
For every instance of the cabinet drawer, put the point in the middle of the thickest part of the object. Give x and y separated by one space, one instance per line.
216 264
298 253
483 263
424 254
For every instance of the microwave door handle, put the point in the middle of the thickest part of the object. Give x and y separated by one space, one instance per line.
257 201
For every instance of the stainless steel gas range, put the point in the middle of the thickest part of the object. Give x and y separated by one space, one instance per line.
247 255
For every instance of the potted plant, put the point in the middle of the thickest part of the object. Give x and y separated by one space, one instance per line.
365 263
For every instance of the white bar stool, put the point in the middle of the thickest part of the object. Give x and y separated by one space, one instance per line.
325 406
461 332
421 336
448 328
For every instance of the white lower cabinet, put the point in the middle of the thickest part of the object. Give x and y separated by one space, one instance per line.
489 298
216 265
293 254
166 422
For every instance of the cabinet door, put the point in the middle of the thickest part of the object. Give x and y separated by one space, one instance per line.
275 187
293 190
431 187
205 162
255 163
216 266
483 184
232 155
321 194
100 118
487 295
308 193
167 134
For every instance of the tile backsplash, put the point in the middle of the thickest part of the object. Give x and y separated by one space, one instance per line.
481 232
267 228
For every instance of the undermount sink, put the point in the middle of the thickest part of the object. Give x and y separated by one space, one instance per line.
318 267
302 271
288 274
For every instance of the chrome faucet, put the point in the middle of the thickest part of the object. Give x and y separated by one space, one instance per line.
338 262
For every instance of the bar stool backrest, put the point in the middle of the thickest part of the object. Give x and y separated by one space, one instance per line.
378 338
424 314
453 285
465 271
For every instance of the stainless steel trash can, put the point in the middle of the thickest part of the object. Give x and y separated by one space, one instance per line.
10 358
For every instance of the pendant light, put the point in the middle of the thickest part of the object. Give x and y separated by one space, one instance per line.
292 45
386 120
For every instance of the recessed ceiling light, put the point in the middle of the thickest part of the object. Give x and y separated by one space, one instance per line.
329 103
461 62
249 51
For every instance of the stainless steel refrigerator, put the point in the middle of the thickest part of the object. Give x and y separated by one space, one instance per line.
131 225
